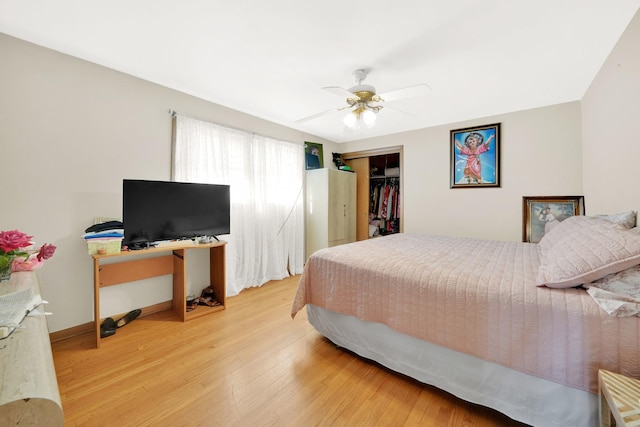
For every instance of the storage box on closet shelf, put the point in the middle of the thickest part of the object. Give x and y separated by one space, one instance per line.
392 172
104 238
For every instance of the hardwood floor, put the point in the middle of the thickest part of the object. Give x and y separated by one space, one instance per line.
249 365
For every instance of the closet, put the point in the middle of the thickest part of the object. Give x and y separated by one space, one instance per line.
379 195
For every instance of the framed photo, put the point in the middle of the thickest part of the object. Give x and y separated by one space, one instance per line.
314 158
475 157
541 214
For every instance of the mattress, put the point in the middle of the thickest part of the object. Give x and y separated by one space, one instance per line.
475 297
523 397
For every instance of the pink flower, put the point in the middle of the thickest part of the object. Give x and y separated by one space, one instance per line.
13 240
16 249
46 251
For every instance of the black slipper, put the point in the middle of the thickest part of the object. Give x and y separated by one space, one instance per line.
107 328
129 317
107 332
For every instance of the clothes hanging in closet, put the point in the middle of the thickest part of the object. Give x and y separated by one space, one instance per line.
384 204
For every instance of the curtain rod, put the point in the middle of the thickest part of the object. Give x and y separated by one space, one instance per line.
173 113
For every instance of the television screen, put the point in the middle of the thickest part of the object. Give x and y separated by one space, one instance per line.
163 210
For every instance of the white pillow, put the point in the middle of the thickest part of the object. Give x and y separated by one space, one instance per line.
582 249
550 239
627 219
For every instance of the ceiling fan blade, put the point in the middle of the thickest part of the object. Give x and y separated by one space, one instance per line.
323 113
340 91
388 107
421 89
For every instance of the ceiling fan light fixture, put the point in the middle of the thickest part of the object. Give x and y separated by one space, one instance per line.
369 117
360 118
351 119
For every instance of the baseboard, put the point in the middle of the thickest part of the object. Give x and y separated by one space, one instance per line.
87 328
64 334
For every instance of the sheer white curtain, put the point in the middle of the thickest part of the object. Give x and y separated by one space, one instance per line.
266 176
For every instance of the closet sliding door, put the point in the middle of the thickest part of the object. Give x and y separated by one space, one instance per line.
361 167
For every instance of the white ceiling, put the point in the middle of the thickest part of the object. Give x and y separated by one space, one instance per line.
270 59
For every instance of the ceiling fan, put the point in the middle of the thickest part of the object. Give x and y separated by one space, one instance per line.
365 103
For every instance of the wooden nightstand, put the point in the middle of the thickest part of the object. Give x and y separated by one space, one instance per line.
619 399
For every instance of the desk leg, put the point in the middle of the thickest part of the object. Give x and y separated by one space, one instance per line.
179 283
218 274
96 300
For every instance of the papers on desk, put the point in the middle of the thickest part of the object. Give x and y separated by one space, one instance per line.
14 307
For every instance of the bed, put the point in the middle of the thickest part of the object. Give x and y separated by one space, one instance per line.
503 324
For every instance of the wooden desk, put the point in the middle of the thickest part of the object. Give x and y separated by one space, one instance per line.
29 393
126 268
619 399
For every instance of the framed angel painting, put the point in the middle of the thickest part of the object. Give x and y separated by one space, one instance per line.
475 156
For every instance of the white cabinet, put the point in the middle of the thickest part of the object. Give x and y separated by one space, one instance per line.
330 208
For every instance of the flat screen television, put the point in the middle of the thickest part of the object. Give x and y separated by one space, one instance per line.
165 210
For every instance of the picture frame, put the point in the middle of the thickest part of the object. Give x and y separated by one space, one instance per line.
541 214
313 155
475 156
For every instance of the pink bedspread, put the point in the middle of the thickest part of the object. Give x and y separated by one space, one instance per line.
474 296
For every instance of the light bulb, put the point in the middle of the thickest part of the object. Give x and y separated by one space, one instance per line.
350 120
369 117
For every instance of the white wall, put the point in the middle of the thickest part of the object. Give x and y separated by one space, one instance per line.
610 116
540 156
70 131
